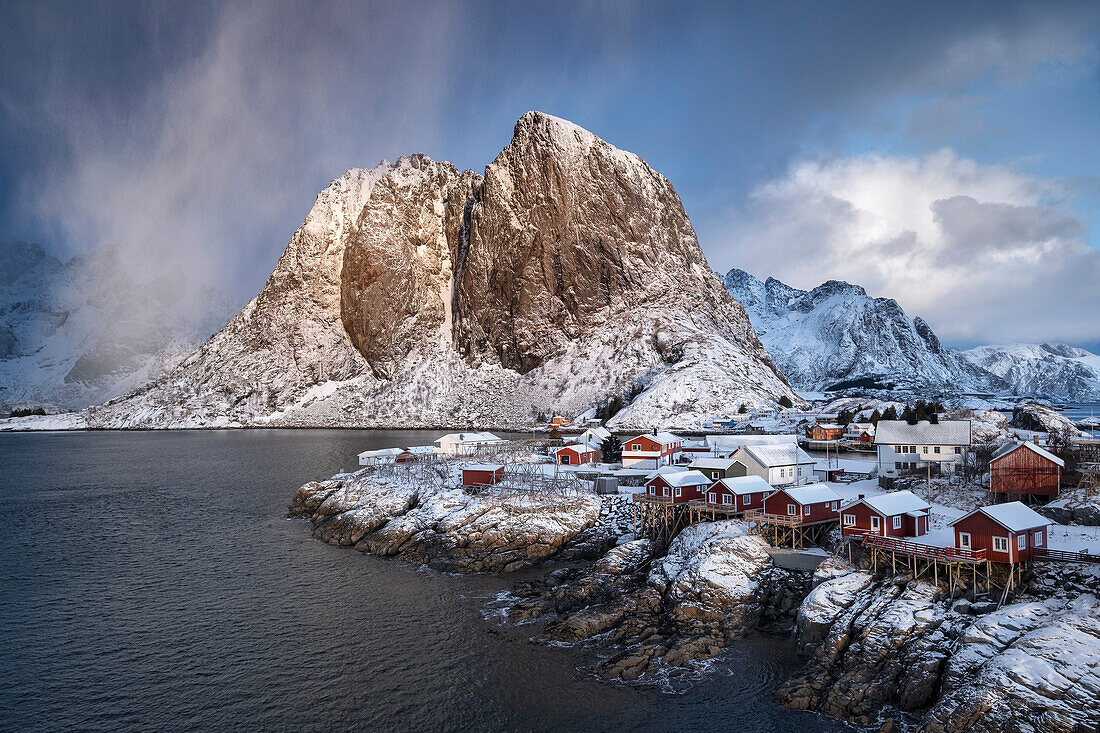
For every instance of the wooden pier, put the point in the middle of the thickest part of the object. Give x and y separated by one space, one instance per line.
788 530
659 518
700 510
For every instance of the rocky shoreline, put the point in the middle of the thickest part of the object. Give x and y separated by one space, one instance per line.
888 653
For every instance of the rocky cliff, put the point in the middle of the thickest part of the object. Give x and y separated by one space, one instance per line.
837 334
418 295
1054 371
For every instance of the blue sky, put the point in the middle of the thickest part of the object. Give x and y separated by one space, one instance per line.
808 141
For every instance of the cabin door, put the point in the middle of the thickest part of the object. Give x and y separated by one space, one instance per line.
875 524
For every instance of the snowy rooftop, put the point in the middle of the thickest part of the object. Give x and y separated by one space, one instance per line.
1013 516
811 494
662 471
1030 446
483 467
896 502
685 478
476 437
946 432
380 452
719 463
830 426
778 455
746 485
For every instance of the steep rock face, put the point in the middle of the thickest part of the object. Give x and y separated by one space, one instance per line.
837 333
1054 371
415 295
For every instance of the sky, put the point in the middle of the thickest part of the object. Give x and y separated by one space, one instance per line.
946 155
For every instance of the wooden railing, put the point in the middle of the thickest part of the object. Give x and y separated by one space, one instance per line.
647 499
1043 553
856 531
894 544
786 520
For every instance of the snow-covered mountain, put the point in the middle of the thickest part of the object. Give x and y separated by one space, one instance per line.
1054 371
76 333
418 295
836 334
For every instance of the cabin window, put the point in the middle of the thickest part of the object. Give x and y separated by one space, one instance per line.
713 498
964 540
677 492
924 450
849 520
806 510
936 449
897 522
876 523
958 451
565 459
1038 539
1000 544
727 499
715 474
792 509
664 491
1021 542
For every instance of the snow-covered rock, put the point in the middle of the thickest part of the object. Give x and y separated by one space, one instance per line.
986 426
77 333
836 334
418 295
421 520
1036 416
1053 371
890 649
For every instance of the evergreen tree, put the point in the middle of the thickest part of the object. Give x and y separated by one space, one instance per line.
785 401
909 415
934 418
612 449
890 414
845 417
742 409
875 417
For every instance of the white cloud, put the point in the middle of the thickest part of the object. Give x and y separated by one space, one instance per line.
983 252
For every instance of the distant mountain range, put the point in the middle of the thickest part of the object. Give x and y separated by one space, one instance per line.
77 333
837 336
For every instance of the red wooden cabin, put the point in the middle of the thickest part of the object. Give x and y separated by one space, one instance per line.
681 486
740 493
825 431
482 474
814 503
577 455
1007 532
897 514
1025 469
406 456
656 449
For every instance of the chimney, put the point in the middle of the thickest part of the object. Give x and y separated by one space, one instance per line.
860 496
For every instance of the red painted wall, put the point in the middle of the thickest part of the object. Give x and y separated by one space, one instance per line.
910 526
777 504
982 529
657 485
471 477
1023 471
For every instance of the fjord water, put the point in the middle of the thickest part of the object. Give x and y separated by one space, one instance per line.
150 581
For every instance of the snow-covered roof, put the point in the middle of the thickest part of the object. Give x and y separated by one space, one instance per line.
894 503
685 478
771 456
475 437
1013 516
582 446
666 438
866 426
1030 446
380 452
665 470
483 467
719 463
829 426
810 494
419 449
945 432
747 485
596 432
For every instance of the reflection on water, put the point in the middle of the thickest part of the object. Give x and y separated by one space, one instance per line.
150 581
